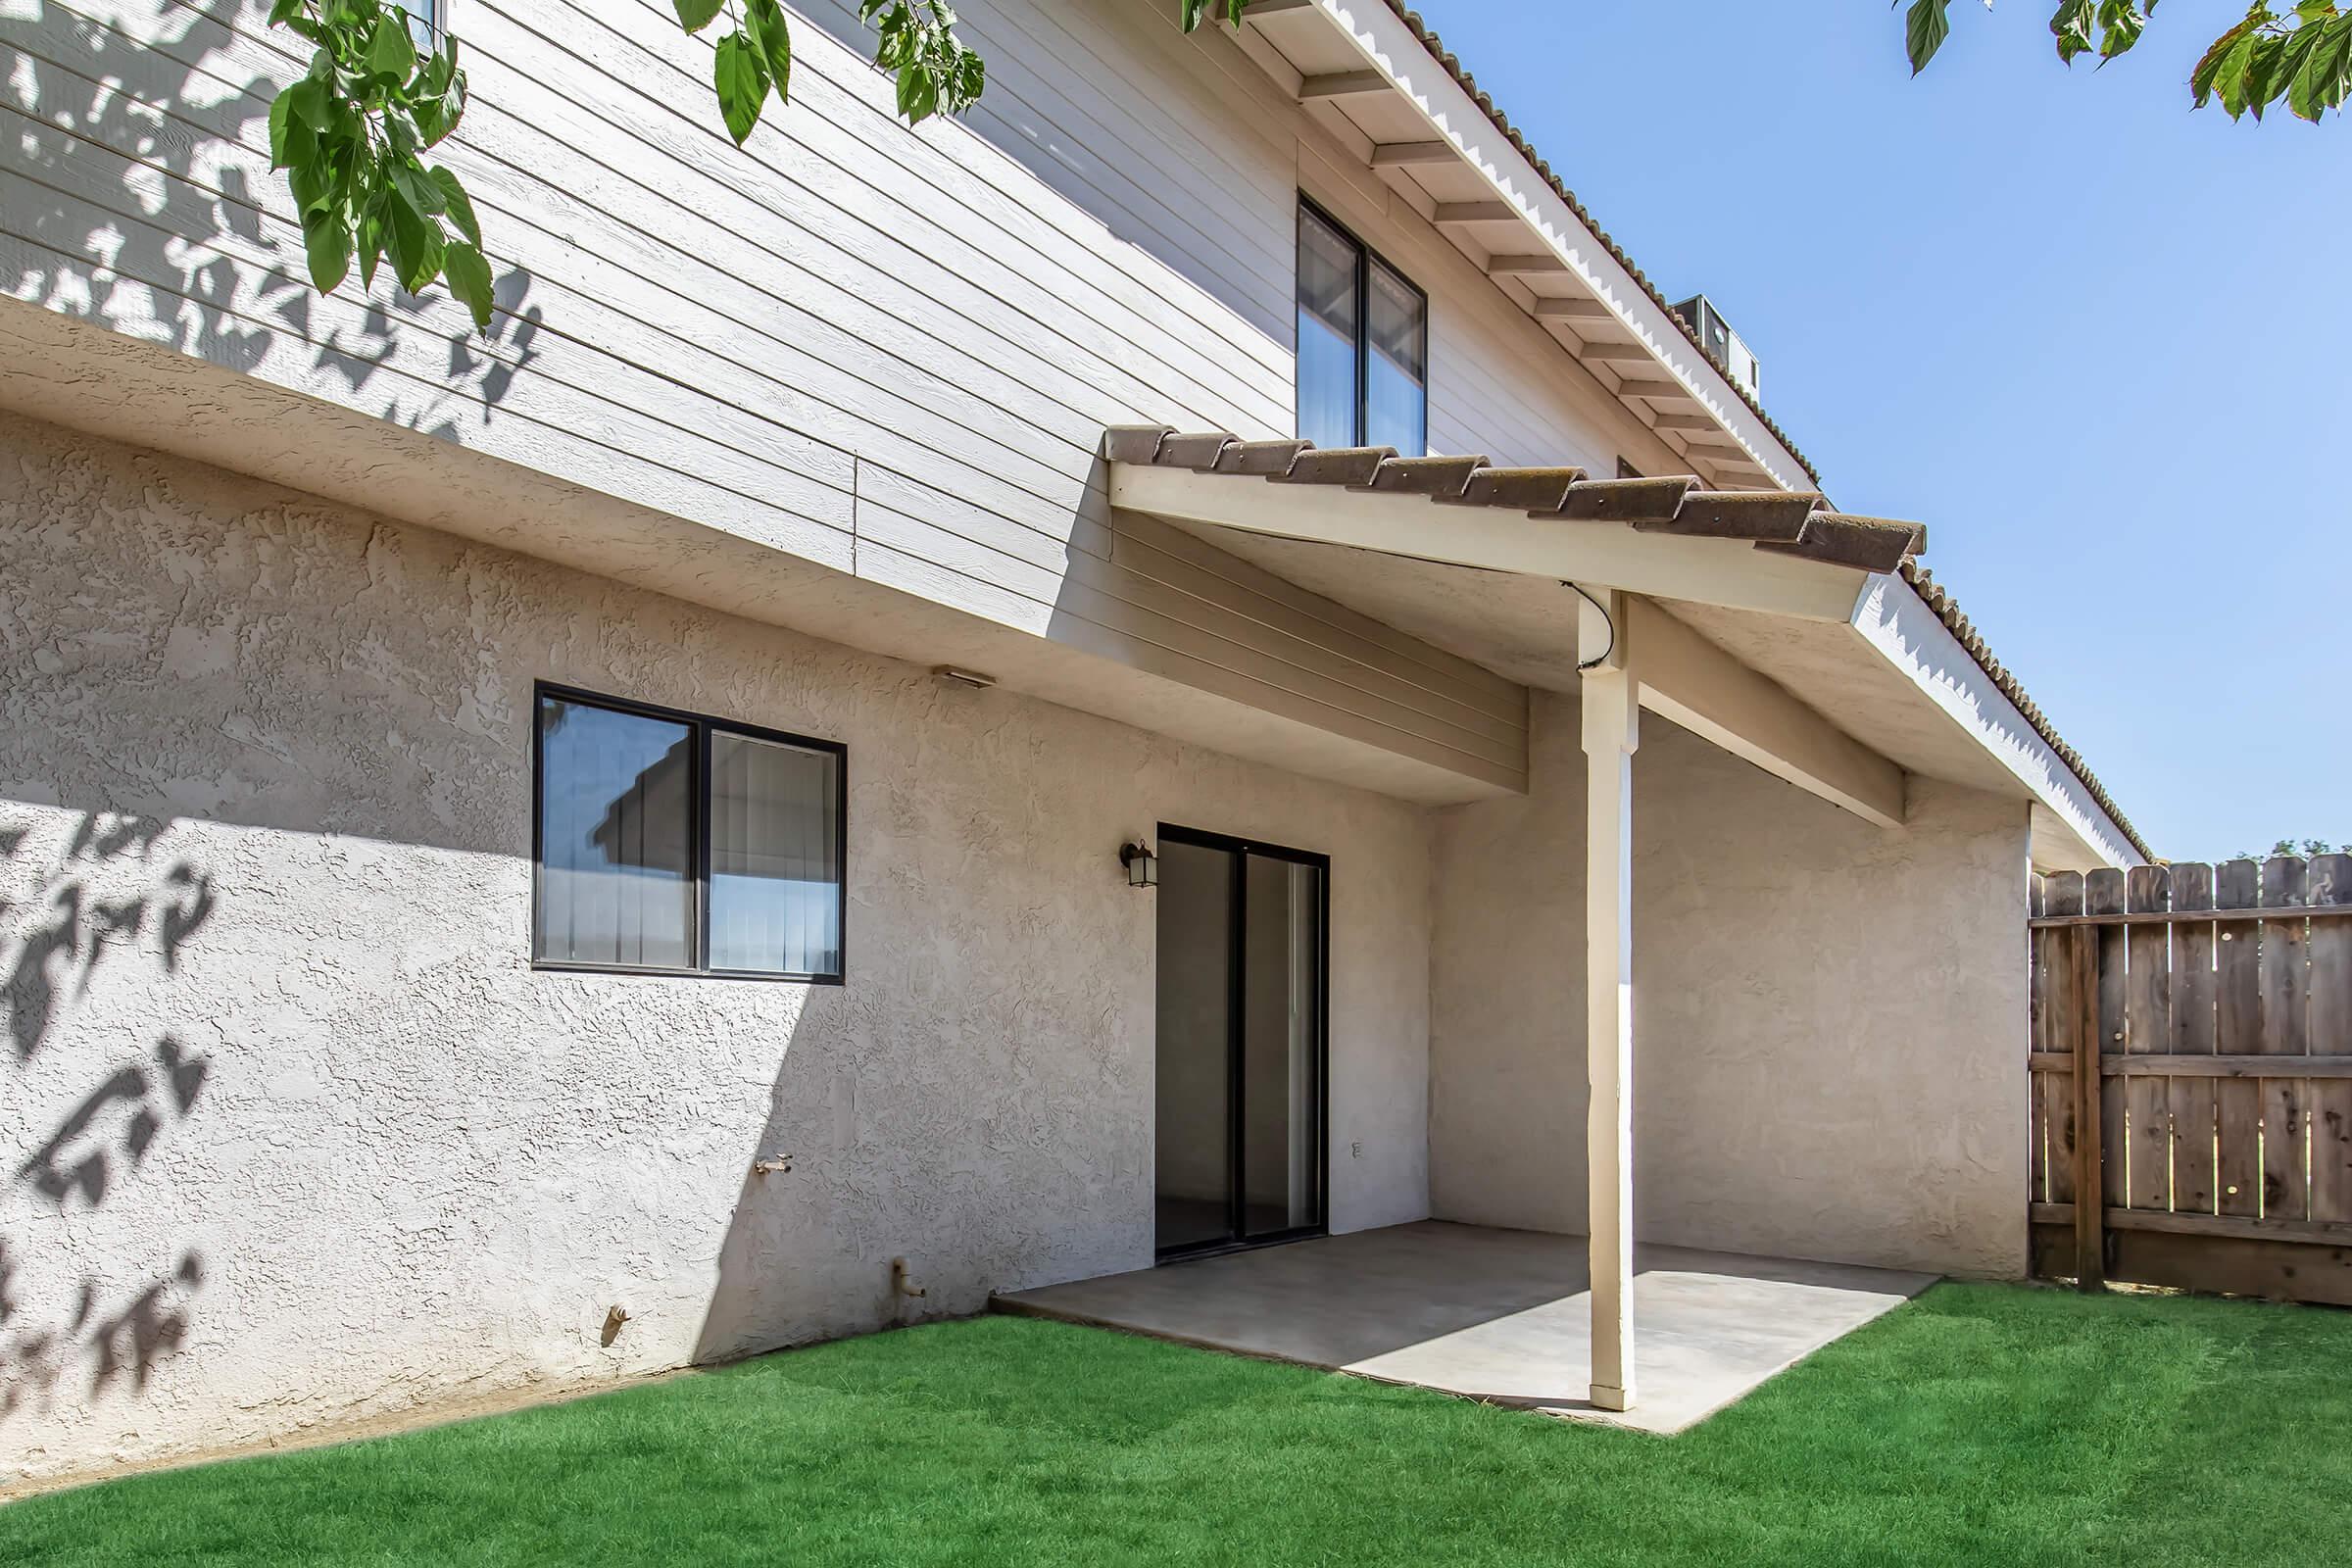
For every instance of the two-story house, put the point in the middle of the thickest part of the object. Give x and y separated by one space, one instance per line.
851 744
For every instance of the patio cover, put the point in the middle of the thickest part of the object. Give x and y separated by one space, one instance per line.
1800 638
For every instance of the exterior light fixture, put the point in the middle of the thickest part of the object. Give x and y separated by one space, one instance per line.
964 677
1142 866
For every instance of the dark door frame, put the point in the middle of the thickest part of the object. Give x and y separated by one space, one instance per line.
1237 1237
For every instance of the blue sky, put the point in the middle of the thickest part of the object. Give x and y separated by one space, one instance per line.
2087 336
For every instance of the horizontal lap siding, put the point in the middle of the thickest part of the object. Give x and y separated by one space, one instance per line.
890 352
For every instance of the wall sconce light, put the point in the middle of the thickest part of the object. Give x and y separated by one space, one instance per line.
1142 866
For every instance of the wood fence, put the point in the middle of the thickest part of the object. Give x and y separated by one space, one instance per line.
2192 1077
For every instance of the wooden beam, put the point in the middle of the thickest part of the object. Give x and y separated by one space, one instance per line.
1612 730
1344 84
1271 8
2322 911
1606 349
1684 419
2152 1066
2231 1066
1661 391
1508 266
1403 154
1699 686
1572 309
2326 1233
1717 571
1476 212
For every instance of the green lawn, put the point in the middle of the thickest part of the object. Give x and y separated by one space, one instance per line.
1980 1424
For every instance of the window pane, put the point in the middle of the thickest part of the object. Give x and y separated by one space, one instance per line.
1193 1069
615 837
1281 1029
425 23
1396 379
775 824
1328 314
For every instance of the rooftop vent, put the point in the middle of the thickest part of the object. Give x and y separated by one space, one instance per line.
1716 336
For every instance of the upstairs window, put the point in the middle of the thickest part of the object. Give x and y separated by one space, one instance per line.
428 22
683 845
1363 344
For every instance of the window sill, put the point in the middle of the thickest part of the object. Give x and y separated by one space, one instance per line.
559 966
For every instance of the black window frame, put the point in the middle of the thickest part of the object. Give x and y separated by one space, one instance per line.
702 727
1365 259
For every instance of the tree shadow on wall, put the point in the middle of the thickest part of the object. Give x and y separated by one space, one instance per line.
139 195
109 893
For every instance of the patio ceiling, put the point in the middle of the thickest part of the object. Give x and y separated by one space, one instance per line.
1820 662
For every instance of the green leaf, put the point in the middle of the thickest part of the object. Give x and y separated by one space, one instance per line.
315 184
971 80
418 191
2121 24
742 81
459 207
415 245
2225 55
773 35
390 54
2224 73
1193 10
291 141
2070 26
918 93
2263 79
695 14
2323 76
1925 27
438 116
2282 67
468 272
308 101
326 242
375 234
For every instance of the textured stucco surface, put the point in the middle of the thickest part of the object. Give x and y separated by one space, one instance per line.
1506 1110
296 1135
1829 1017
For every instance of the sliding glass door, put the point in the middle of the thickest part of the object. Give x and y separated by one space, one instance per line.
1241 1042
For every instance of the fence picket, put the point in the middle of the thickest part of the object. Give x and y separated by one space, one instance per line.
2193 1100
2148 1032
2061 895
2103 893
2328 1033
2238 1016
2285 1102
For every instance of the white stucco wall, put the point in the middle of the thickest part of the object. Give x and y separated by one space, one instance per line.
1829 1017
265 796
1506 1103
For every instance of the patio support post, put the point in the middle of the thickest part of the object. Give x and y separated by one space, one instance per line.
1612 730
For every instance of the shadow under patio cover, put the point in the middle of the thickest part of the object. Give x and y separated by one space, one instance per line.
1796 523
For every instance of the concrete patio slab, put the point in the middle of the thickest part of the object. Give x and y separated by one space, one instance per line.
1497 1315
